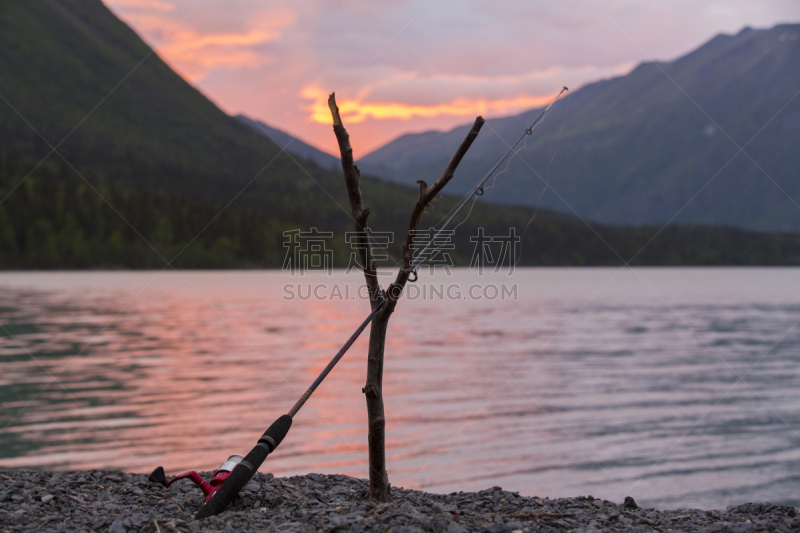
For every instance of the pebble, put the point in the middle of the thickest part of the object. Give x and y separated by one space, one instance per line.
629 503
99 501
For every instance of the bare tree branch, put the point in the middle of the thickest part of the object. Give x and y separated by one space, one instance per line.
448 173
373 389
426 195
352 178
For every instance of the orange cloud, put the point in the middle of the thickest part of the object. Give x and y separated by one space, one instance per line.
189 51
354 110
191 66
191 40
158 5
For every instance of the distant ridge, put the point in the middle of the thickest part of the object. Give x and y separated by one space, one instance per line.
636 149
292 144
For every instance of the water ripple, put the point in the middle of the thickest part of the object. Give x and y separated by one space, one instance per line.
678 385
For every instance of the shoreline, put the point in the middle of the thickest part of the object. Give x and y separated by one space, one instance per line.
118 502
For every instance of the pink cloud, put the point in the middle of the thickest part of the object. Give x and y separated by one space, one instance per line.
192 52
277 61
158 5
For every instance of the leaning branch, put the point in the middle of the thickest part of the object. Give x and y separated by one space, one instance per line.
352 178
426 195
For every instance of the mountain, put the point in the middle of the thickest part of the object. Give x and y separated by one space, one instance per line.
71 69
129 129
636 149
292 144
146 171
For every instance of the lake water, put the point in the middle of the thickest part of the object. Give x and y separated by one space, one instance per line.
680 387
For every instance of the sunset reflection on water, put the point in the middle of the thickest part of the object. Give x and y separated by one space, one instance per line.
590 382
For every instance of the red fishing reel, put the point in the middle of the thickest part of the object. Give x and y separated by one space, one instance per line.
217 479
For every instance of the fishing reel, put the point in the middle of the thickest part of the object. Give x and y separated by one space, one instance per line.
209 489
233 474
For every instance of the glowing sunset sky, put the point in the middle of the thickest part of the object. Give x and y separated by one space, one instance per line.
401 66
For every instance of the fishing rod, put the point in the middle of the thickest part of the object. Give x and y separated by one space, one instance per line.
236 472
231 477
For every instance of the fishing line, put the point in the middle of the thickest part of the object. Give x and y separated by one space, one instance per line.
494 181
469 213
479 187
546 184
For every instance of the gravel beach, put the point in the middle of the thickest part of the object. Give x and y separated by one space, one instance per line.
118 502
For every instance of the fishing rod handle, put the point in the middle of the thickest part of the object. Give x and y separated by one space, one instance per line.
306 395
244 471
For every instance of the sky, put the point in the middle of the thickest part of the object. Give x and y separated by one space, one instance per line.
403 66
